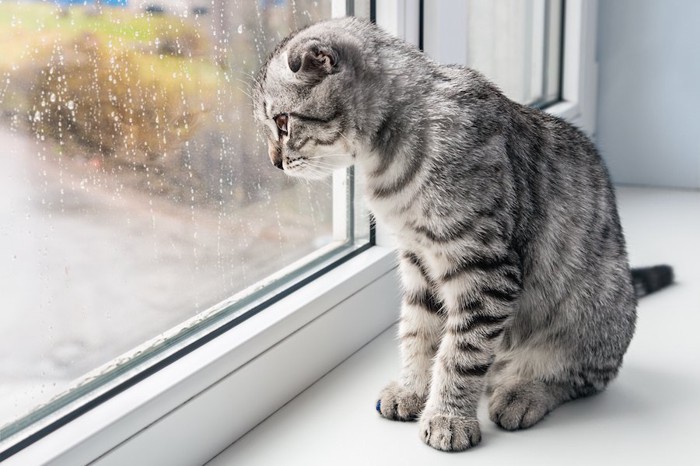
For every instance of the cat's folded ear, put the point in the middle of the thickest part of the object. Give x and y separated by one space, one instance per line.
313 60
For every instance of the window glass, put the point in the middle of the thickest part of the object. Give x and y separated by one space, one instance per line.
517 44
135 191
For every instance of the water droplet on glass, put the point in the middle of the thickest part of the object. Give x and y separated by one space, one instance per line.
240 29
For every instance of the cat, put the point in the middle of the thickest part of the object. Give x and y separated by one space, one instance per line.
514 270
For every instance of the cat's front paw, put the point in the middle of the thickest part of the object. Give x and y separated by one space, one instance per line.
399 403
448 432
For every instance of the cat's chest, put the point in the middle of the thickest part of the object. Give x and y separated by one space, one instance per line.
404 221
439 235
413 230
392 214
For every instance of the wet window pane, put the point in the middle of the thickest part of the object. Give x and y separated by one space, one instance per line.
135 191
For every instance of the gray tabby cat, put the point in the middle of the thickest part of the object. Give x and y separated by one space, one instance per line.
513 262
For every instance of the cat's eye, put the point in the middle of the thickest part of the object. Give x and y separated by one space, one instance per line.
281 121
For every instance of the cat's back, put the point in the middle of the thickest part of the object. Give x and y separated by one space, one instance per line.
553 184
552 166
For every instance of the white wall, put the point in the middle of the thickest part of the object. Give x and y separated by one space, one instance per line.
649 91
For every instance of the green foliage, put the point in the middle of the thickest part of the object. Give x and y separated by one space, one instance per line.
128 85
180 42
99 98
35 25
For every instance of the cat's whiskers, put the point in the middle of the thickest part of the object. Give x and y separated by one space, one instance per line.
243 72
325 169
331 155
246 82
321 160
322 166
252 80
327 166
249 96
319 176
249 86
318 172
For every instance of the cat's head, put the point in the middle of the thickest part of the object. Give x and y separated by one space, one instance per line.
306 99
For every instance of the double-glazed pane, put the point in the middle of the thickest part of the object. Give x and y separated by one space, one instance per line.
517 44
135 192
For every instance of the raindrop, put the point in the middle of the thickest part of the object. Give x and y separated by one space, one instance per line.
240 29
70 105
52 97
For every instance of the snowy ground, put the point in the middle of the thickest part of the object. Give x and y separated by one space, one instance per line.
89 270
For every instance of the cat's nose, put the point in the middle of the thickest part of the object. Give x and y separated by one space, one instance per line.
275 153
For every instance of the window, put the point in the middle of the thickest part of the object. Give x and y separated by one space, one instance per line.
540 52
516 44
141 211
193 407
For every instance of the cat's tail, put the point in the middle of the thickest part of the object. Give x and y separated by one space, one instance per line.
649 279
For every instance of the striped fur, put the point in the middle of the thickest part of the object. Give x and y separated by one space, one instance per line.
513 262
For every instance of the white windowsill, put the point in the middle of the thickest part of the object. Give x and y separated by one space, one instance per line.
647 416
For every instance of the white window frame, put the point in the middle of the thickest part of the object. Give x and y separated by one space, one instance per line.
445 39
189 411
580 66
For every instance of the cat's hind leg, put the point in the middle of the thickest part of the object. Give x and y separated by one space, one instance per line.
419 333
522 404
522 389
